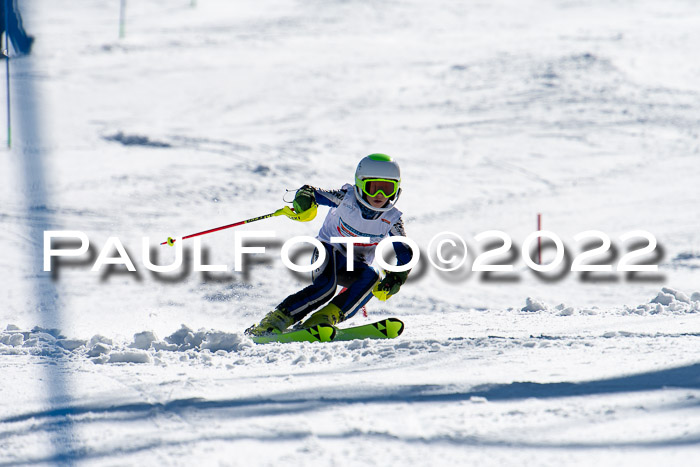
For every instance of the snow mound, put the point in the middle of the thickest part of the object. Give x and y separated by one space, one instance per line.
533 305
99 349
14 339
99 339
185 338
564 310
71 344
38 341
669 295
669 301
144 340
215 341
145 347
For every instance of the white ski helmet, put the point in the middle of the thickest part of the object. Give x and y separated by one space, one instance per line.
378 173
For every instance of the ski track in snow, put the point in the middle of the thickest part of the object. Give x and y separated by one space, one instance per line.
586 112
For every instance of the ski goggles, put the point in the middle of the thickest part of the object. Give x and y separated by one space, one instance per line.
373 186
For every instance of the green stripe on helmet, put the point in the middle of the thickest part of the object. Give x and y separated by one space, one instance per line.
380 157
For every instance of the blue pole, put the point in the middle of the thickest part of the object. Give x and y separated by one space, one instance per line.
7 80
6 53
122 19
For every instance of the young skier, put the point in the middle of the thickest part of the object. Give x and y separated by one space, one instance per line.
365 209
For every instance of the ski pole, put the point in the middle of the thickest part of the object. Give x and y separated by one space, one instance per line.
305 216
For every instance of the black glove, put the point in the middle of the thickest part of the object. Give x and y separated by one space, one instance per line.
393 281
304 199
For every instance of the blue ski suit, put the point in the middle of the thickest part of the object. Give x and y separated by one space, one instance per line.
347 218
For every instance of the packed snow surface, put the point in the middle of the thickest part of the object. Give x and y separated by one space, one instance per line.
206 111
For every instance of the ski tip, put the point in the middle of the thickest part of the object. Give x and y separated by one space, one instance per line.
394 327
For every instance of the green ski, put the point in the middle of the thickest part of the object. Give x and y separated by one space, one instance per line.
385 329
318 333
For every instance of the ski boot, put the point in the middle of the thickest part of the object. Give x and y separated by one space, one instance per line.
329 314
275 322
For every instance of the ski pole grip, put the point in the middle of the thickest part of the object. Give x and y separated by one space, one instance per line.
305 216
382 295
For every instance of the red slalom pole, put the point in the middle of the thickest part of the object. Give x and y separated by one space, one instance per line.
305 216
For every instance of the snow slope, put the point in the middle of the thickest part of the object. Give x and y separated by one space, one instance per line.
586 112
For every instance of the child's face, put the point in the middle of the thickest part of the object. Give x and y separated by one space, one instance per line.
377 201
